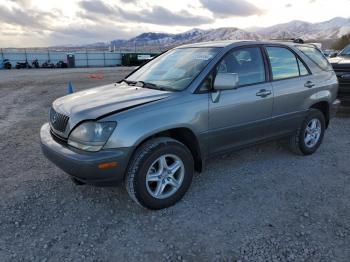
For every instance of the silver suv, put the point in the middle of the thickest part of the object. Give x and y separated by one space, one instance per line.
153 129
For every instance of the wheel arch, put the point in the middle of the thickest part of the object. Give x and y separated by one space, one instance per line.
324 107
187 137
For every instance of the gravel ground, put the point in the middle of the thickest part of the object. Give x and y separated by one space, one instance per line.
257 204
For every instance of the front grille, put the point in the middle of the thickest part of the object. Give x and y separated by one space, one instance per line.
58 121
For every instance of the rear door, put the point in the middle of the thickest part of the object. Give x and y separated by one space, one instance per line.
241 116
292 84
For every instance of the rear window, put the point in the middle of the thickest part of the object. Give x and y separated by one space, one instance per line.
316 56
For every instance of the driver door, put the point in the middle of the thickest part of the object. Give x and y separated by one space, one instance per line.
242 115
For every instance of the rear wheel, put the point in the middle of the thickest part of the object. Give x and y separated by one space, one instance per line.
160 173
309 136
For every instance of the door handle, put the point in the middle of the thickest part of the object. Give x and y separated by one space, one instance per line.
309 84
264 93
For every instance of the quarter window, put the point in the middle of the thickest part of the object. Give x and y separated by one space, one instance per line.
248 63
316 56
284 64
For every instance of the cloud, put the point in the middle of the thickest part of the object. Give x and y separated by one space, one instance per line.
96 7
129 1
90 34
156 15
228 8
161 15
28 18
23 3
289 5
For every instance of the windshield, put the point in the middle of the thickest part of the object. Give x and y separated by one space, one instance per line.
175 69
346 51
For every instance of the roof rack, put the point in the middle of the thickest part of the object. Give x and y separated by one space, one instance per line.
292 40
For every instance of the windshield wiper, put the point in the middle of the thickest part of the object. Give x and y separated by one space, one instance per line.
153 86
128 82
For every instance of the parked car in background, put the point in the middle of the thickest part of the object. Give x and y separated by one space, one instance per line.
341 66
61 64
48 64
22 65
6 64
153 129
329 53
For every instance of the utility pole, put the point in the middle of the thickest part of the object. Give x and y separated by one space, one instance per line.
104 59
25 54
87 57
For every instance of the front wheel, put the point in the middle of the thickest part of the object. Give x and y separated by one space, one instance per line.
160 173
309 137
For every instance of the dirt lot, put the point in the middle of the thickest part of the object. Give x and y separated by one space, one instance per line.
257 204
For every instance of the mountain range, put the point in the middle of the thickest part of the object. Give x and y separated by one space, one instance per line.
322 32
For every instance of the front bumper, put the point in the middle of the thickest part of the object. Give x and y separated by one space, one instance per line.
84 166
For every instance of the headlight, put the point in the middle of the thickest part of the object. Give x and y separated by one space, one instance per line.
91 136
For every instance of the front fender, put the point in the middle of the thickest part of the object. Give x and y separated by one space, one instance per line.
137 125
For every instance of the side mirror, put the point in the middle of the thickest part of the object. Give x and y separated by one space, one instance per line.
226 81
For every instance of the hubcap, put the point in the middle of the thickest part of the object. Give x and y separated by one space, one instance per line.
165 176
312 133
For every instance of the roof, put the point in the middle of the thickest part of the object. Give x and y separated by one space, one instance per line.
225 43
222 43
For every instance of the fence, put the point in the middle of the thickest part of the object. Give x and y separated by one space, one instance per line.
82 59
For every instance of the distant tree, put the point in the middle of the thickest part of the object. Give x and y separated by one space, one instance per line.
341 42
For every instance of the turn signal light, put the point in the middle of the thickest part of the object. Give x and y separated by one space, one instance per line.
107 165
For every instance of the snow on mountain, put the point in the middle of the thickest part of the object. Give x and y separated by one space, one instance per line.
228 33
194 35
331 29
287 30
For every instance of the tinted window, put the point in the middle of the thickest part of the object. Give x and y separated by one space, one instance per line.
315 55
283 63
248 63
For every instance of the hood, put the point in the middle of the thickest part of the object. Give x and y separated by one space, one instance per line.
340 61
97 102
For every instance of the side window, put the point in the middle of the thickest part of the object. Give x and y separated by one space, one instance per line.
284 64
316 56
247 62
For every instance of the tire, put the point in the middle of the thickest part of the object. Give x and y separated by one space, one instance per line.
146 165
300 143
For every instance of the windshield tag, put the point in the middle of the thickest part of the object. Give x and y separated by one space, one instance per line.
203 57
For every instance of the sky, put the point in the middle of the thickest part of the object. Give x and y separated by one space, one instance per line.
39 23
